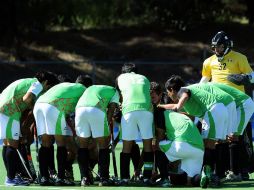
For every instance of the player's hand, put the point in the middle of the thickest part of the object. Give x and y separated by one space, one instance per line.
239 79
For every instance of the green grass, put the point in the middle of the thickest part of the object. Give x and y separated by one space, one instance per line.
235 186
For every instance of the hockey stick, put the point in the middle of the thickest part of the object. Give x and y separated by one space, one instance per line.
113 149
24 164
30 162
97 175
37 154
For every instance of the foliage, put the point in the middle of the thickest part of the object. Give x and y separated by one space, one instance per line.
40 15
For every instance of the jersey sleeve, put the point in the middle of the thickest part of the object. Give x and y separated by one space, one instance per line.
35 88
206 70
115 98
183 90
244 65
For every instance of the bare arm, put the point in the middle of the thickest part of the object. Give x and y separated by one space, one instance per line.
111 108
177 106
29 98
205 79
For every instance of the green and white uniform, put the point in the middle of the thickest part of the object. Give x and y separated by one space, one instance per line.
244 106
12 106
91 111
52 107
227 99
207 106
184 141
136 106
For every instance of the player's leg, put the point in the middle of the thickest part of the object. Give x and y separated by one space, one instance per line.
83 131
145 124
71 156
101 132
51 164
62 132
223 125
43 127
129 134
10 132
215 124
162 162
4 155
244 113
135 157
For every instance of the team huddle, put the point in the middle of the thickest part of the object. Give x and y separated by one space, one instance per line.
185 129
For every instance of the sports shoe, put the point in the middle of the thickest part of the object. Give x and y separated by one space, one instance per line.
64 182
123 182
205 176
106 182
147 183
17 181
245 176
69 175
46 182
136 178
85 182
214 181
163 183
231 177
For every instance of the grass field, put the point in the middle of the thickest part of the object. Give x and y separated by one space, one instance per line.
235 186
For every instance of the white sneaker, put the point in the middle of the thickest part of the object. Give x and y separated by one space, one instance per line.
231 177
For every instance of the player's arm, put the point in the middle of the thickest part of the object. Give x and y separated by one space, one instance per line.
205 79
110 112
241 79
184 97
206 72
32 93
29 99
246 76
114 103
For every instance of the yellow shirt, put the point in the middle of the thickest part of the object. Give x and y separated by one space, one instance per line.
232 63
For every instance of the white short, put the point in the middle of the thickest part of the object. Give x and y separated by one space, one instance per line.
137 121
9 128
91 121
190 156
49 120
244 113
232 119
215 122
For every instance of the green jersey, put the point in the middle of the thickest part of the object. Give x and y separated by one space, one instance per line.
221 96
199 102
64 96
238 95
12 103
135 90
180 128
98 96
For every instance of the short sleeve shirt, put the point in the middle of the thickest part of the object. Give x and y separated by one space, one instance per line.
232 63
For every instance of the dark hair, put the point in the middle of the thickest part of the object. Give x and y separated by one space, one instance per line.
156 87
86 80
129 67
175 82
64 78
47 75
